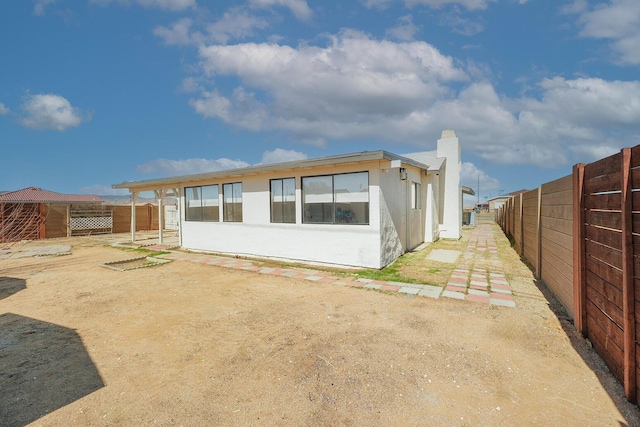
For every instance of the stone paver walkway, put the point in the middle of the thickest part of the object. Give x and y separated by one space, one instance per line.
478 276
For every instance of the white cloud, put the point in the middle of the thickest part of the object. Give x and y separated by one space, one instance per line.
280 155
376 4
458 24
354 81
468 4
177 34
588 102
434 4
618 21
172 5
358 88
234 24
39 7
593 153
3 109
166 167
50 111
405 30
471 176
299 8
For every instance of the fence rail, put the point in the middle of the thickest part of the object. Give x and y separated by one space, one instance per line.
581 235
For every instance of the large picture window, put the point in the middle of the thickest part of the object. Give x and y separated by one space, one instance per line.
336 199
232 207
201 203
283 200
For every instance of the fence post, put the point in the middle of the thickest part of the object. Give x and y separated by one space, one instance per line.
628 297
68 220
579 291
521 225
539 236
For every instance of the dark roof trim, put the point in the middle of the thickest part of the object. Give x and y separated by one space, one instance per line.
174 181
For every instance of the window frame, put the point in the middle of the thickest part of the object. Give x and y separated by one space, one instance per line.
283 217
230 211
415 195
189 215
334 208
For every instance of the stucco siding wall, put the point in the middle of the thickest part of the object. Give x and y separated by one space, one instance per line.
402 228
312 243
390 244
393 210
432 222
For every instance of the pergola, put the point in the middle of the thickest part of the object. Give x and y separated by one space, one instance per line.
161 192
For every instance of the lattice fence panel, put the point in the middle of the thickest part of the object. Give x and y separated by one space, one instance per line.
91 222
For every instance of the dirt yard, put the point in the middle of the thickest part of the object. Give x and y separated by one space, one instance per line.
197 345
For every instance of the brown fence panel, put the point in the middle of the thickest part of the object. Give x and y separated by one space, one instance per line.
531 228
603 261
56 222
588 254
517 223
635 248
146 217
556 223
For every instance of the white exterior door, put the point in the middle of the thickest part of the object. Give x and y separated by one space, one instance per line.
171 219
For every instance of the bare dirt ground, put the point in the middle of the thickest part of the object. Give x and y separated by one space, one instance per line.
194 345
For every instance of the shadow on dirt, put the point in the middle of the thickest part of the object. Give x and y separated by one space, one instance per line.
10 286
583 347
43 367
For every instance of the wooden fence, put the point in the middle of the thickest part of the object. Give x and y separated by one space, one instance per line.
32 221
581 236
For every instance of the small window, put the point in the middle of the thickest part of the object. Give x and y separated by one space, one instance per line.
283 200
232 207
415 195
336 199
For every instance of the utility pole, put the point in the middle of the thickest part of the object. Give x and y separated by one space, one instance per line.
478 205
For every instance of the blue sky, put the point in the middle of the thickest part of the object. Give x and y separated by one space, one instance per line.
103 91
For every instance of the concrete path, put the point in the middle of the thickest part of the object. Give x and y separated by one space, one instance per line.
478 276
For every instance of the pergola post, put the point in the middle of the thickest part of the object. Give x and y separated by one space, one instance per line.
177 194
160 194
134 200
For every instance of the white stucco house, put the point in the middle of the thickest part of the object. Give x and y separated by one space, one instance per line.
361 210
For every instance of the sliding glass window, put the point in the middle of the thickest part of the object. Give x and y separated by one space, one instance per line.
283 200
201 203
336 199
232 207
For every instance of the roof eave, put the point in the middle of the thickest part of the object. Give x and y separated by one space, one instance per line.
365 156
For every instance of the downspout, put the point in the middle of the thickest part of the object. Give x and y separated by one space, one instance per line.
407 210
177 192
